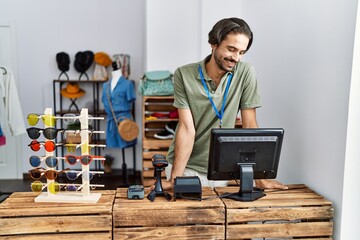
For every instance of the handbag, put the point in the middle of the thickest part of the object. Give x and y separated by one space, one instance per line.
127 128
156 83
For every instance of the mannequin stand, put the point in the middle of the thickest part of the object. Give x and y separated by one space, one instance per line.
124 169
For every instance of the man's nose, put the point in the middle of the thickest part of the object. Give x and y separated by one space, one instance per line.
236 57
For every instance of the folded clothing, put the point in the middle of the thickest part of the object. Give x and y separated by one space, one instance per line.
160 115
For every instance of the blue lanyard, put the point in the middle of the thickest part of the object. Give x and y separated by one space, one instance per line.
219 115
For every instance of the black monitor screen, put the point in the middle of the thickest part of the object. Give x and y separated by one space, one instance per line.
236 151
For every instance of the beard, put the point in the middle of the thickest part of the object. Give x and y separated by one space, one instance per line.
226 64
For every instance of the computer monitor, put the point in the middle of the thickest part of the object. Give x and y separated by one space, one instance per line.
244 154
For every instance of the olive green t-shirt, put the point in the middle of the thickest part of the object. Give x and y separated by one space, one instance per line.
189 93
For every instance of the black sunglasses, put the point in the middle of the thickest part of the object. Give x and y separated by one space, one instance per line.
49 133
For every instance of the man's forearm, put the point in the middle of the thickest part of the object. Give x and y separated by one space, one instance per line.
183 147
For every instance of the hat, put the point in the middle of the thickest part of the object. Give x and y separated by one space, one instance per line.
63 61
102 59
72 90
83 61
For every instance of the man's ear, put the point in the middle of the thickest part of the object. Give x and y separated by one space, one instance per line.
213 47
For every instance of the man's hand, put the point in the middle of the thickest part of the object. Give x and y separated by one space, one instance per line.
269 184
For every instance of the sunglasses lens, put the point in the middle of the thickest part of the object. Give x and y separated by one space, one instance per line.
50 174
85 160
72 175
36 186
70 159
35 174
71 188
87 176
71 148
34 161
49 120
49 146
32 119
69 118
51 161
50 133
35 145
54 187
33 133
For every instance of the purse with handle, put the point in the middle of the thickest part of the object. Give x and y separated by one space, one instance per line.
156 83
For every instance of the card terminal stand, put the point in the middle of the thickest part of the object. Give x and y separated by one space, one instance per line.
83 195
159 162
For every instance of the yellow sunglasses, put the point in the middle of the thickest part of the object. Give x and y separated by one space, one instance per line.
48 119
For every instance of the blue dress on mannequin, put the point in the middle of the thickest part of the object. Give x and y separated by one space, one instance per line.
122 98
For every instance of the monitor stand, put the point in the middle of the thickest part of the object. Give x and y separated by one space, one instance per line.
246 192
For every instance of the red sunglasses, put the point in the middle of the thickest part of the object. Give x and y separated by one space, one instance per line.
49 146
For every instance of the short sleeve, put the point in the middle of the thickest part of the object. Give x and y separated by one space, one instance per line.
180 96
130 92
250 97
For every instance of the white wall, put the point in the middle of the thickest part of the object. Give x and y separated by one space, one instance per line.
303 60
44 28
302 53
171 25
351 195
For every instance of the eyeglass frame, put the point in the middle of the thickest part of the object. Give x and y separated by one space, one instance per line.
42 159
44 172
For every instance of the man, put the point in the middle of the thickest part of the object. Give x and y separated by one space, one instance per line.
208 95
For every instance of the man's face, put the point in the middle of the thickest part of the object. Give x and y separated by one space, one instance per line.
230 50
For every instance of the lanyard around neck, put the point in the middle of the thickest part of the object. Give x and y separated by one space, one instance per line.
218 114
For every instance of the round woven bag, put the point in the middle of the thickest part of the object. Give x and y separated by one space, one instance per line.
128 130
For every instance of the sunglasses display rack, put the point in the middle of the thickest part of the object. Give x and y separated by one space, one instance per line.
82 193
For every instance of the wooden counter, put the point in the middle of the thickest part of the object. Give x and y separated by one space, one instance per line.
162 219
22 218
297 212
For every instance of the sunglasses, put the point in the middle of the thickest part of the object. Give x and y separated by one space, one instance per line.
69 133
48 145
49 133
73 175
38 186
70 118
37 173
84 159
87 175
48 119
50 161
55 187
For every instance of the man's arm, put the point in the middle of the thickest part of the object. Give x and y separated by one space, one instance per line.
184 143
248 117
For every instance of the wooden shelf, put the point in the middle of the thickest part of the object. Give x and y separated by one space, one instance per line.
150 127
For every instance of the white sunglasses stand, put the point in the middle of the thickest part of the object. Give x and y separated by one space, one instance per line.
83 194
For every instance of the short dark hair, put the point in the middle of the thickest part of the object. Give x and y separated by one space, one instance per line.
229 25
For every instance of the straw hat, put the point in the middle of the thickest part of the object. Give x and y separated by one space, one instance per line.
72 90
